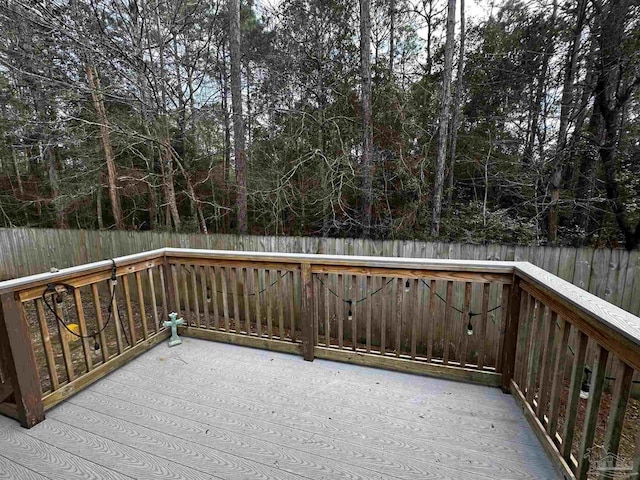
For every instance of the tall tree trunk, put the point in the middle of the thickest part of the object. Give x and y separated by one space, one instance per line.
365 85
61 216
429 33
457 108
443 122
566 108
153 206
610 98
170 192
238 121
105 140
16 167
226 162
536 104
392 35
99 204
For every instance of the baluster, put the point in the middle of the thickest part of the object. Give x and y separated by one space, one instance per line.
116 316
591 414
340 310
416 314
327 311
619 401
447 321
177 305
213 277
574 396
356 313
504 315
225 299
398 316
154 301
188 314
143 313
292 313
280 304
86 348
237 323
386 311
46 342
246 276
558 376
163 296
258 298
368 306
316 310
196 304
207 295
432 319
548 360
534 351
127 300
269 294
464 338
104 348
64 341
481 330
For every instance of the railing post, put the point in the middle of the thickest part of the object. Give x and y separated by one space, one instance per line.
171 296
306 313
510 336
19 362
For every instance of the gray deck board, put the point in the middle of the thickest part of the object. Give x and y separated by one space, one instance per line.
208 410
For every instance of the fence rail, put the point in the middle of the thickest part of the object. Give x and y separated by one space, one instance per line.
433 317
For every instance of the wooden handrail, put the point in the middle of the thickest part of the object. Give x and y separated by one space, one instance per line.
480 266
614 328
65 274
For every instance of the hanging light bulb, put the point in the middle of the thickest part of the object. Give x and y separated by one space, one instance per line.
350 313
208 295
96 345
58 298
584 388
406 286
469 327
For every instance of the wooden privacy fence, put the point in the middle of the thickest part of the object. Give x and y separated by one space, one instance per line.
415 315
608 274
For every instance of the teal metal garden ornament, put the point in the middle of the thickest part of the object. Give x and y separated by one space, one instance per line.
173 323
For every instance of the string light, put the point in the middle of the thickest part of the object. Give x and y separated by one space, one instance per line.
350 313
56 297
469 327
406 286
208 295
584 388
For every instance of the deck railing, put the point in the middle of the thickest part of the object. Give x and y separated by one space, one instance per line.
506 324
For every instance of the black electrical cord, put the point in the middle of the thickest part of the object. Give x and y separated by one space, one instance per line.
350 301
471 314
53 289
248 294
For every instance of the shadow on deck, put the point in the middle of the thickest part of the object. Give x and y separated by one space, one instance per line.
212 410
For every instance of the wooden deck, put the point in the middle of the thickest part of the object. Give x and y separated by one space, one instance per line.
236 412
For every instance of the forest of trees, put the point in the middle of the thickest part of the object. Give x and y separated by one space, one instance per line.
516 121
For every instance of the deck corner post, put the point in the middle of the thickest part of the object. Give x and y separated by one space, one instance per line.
306 313
19 363
511 335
